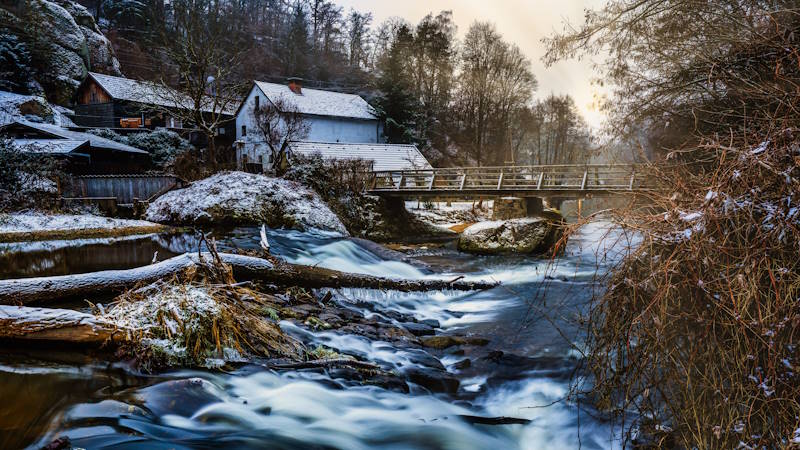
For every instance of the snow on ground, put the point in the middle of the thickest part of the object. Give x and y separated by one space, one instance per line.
244 198
10 109
445 216
27 222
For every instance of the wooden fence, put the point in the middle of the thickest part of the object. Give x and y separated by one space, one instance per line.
124 188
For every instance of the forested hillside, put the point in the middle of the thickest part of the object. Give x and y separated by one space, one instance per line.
468 100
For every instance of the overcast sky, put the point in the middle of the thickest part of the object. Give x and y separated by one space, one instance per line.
523 22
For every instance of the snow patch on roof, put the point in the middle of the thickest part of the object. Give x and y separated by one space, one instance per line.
65 134
383 156
148 93
49 146
320 103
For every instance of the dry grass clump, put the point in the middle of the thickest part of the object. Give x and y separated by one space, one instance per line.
201 318
697 334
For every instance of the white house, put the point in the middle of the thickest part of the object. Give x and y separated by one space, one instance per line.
331 116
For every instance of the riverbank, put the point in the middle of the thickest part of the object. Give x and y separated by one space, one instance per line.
39 226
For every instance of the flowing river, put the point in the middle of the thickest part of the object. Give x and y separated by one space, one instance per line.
524 372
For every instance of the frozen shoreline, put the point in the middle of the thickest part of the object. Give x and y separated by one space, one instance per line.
32 226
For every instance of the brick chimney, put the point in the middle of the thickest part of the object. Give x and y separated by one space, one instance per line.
296 85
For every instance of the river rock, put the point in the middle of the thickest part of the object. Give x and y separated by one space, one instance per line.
433 380
239 198
443 342
530 235
419 329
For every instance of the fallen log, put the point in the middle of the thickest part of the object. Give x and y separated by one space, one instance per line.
62 325
25 291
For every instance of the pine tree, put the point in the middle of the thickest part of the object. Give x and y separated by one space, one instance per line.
15 63
396 102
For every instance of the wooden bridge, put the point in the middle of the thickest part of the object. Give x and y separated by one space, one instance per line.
551 181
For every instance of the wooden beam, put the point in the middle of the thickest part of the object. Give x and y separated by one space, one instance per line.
583 182
541 179
500 180
433 177
463 180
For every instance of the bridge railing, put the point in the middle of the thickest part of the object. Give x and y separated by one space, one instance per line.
513 178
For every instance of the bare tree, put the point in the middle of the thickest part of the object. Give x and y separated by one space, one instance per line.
280 123
206 54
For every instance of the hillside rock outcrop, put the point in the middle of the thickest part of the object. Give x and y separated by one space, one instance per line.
64 43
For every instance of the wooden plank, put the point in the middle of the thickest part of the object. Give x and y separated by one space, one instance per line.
541 179
583 182
500 181
463 180
433 177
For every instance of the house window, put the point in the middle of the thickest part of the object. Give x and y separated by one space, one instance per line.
258 101
221 130
93 95
244 130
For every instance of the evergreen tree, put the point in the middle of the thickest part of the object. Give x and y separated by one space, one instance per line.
396 102
15 64
297 48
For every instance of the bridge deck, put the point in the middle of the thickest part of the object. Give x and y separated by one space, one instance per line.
524 181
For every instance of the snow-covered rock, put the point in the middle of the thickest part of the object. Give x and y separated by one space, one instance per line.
526 235
66 38
244 198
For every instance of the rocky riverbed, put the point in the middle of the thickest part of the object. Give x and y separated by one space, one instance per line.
429 369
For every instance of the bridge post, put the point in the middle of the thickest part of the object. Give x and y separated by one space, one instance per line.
534 206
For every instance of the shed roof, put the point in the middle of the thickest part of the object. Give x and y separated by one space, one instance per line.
50 146
320 103
148 93
56 132
383 156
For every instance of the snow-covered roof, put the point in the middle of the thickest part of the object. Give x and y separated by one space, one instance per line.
383 156
318 102
50 146
146 92
62 133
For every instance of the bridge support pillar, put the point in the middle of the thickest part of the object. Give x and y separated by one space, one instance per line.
534 206
555 202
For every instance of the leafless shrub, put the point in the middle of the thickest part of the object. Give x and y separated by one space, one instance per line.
697 332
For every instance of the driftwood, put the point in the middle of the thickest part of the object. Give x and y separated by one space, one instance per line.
61 325
25 291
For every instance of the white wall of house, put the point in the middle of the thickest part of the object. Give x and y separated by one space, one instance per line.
321 129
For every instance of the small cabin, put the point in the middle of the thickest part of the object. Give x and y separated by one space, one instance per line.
123 104
83 153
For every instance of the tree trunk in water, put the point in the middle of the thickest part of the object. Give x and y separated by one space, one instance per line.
62 325
25 291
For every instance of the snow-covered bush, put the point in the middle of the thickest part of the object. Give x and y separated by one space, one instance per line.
25 179
15 64
341 183
163 145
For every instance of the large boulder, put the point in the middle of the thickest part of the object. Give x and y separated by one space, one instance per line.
239 198
64 45
529 235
